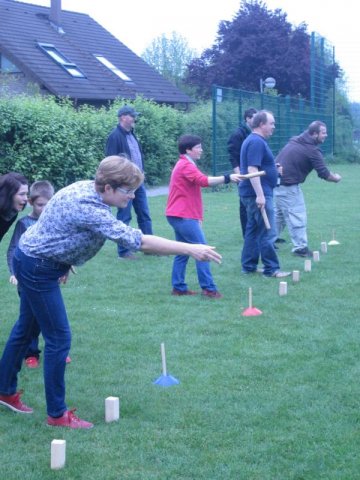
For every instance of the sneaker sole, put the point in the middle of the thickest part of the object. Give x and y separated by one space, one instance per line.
276 276
68 426
14 409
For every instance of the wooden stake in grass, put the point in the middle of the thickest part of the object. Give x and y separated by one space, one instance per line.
112 409
165 380
163 359
251 311
333 241
58 454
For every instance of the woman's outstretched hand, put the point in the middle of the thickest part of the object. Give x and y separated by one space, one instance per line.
204 253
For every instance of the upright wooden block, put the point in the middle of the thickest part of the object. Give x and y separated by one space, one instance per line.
296 275
58 454
307 266
112 409
282 288
316 256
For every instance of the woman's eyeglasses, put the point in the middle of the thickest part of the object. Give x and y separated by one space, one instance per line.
125 191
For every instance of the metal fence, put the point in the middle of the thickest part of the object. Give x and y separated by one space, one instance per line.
292 115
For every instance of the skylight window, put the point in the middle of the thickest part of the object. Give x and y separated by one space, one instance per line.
112 67
61 60
6 66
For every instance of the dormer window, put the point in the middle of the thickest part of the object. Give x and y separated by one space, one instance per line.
61 60
112 67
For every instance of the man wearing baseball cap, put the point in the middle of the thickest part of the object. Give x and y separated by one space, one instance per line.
122 140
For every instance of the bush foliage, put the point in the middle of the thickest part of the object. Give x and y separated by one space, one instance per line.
47 139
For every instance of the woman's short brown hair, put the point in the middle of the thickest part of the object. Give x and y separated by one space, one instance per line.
118 171
188 142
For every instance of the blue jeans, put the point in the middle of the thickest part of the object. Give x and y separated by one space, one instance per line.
258 240
142 211
33 350
41 309
189 231
243 217
243 214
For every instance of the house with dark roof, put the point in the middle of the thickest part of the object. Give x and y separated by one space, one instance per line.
68 54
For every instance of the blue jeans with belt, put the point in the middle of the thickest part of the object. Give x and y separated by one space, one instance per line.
258 240
41 309
189 231
142 211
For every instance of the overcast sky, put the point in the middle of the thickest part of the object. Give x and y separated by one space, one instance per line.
138 22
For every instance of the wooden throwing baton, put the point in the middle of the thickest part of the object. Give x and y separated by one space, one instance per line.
265 218
261 173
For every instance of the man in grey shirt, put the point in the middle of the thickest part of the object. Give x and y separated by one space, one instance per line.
297 159
122 140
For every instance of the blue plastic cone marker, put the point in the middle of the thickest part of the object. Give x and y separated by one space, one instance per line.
165 380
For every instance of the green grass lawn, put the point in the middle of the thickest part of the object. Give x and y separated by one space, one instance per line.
269 397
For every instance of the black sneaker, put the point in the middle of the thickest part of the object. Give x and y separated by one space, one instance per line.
303 252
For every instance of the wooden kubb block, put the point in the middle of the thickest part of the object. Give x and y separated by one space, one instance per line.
112 409
58 454
282 288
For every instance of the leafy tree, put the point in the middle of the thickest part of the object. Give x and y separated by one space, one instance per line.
256 44
169 56
355 111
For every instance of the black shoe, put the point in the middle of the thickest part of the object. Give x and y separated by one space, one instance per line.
130 256
303 252
280 240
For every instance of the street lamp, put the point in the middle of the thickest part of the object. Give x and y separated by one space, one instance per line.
269 82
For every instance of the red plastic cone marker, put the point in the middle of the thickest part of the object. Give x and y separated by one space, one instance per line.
251 311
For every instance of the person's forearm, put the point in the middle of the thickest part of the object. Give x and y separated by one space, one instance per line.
223 179
220 180
163 246
255 182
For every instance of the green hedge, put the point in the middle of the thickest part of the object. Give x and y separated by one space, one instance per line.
47 139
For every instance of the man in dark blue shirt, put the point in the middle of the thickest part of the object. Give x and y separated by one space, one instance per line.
257 195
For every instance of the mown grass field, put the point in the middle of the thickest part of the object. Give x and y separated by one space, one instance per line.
269 397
